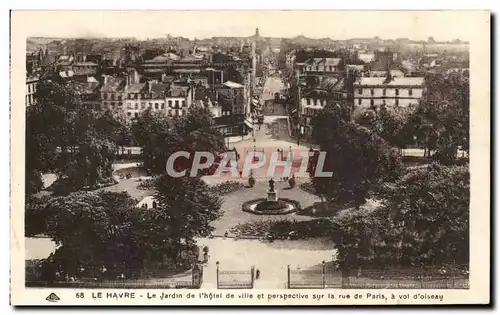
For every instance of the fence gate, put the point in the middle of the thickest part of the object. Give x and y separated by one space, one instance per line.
235 279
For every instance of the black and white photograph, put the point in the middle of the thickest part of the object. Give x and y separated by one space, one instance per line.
210 152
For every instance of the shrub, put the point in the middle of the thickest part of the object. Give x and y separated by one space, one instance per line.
147 184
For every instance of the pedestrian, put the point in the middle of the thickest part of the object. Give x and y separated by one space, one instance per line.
257 274
226 234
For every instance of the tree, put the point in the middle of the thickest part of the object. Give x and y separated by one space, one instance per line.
66 137
359 159
93 230
441 120
390 123
160 137
35 215
187 208
423 221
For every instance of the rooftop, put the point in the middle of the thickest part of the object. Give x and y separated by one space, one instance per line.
233 85
164 58
323 61
113 84
178 91
135 88
159 89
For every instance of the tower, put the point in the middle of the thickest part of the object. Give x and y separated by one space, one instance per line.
257 32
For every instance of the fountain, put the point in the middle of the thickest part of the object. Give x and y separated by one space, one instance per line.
271 204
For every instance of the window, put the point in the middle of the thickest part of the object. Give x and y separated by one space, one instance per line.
359 101
183 112
176 104
136 115
156 105
383 92
119 97
183 103
372 91
112 97
143 106
331 69
397 102
162 105
397 92
97 106
136 106
113 105
155 204
129 114
410 92
176 112
308 101
317 68
169 112
170 103
131 96
372 102
360 91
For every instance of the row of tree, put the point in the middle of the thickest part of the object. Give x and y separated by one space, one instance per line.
96 229
106 229
423 221
424 216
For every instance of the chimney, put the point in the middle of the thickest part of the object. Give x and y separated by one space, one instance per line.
150 83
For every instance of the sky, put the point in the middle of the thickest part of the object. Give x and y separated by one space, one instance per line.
415 25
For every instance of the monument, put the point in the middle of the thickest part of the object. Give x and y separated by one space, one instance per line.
272 194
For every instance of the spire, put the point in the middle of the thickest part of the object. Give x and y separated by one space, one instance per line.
257 32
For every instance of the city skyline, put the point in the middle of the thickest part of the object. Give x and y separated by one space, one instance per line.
336 25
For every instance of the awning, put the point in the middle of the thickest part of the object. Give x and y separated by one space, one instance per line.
248 123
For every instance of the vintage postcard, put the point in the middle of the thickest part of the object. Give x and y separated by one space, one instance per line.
250 157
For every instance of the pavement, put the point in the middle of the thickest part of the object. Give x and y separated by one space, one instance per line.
271 259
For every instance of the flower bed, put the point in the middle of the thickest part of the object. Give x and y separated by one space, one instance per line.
283 229
308 187
226 187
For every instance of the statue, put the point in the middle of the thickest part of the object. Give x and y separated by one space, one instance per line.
271 184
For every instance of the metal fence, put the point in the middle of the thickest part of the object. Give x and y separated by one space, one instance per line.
151 280
316 278
324 277
235 279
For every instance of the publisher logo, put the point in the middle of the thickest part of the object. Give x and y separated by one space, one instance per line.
52 298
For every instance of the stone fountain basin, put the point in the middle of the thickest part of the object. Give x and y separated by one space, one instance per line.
263 207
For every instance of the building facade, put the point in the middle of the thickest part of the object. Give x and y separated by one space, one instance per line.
315 99
31 85
373 92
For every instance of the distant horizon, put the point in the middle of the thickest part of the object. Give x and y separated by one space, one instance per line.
443 26
229 36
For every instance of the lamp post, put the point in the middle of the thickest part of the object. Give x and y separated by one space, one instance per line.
217 264
323 263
